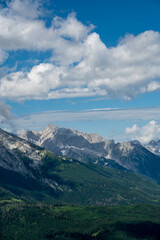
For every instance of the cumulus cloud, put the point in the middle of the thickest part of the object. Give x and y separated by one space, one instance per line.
21 28
29 8
81 64
150 131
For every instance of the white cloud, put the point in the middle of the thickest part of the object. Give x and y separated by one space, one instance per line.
29 8
31 85
81 64
150 131
131 130
20 28
153 86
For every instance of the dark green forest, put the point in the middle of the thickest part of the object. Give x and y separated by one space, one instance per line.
66 222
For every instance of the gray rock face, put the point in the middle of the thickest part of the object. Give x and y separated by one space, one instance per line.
13 148
22 157
93 148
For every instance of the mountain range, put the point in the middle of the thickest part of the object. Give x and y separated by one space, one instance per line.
93 148
31 173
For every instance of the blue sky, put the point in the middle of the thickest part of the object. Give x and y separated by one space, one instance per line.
89 65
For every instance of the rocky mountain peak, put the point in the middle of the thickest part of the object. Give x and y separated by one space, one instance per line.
47 133
154 147
49 128
135 142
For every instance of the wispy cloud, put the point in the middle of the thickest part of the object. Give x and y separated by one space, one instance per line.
81 64
41 119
